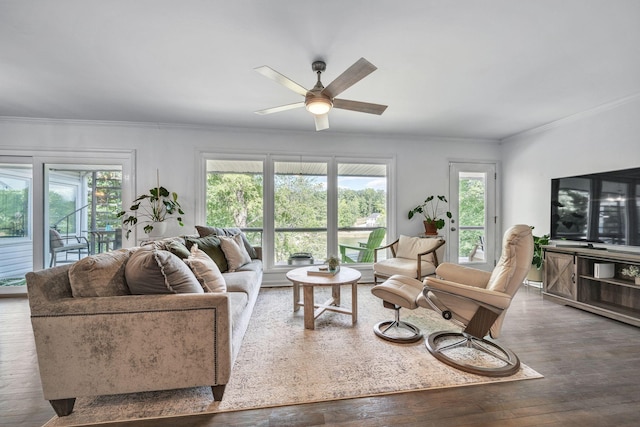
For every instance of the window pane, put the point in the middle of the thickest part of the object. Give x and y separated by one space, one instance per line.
62 206
234 196
300 209
16 249
472 203
362 202
14 201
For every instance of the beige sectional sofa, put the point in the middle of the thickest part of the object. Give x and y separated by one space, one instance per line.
101 340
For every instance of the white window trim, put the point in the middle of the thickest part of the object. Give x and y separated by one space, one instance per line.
268 160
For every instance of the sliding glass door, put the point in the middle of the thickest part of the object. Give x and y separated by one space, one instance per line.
83 203
16 232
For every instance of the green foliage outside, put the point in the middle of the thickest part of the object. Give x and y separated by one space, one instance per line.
300 202
235 200
108 198
14 208
59 208
472 210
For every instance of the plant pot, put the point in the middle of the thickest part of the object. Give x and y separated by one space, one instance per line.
430 228
159 230
534 274
637 280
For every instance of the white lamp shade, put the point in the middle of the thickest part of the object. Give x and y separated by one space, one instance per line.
319 106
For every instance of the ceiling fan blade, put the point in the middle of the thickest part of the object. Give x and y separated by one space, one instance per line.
283 80
352 75
363 107
322 121
281 108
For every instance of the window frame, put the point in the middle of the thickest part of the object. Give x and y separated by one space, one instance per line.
268 160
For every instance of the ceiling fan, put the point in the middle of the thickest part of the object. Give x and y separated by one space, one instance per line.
319 100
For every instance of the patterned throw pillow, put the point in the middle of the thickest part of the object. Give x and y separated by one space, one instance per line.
206 271
234 251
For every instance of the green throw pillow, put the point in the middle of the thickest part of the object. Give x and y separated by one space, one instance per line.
211 246
205 230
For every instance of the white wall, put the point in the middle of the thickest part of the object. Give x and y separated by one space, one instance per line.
601 140
421 165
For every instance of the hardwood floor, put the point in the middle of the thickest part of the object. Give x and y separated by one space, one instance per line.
591 367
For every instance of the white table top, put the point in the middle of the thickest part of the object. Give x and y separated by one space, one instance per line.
345 276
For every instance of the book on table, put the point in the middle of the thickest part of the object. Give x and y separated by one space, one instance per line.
322 270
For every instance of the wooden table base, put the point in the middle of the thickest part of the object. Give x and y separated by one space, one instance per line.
312 310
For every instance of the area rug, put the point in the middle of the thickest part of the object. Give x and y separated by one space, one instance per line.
281 363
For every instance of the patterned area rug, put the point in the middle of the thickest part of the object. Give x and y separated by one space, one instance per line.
281 363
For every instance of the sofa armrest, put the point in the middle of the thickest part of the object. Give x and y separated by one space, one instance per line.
129 304
133 343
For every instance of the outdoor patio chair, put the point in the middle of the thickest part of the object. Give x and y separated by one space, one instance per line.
364 250
59 244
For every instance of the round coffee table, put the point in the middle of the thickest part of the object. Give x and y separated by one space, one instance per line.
300 278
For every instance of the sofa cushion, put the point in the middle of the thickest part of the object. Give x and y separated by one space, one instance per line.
410 247
204 230
205 270
403 266
234 251
100 275
211 246
155 271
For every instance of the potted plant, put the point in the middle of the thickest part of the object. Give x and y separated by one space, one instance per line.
333 262
154 208
632 271
432 212
535 273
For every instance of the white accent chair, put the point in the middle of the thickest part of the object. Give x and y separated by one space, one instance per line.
414 257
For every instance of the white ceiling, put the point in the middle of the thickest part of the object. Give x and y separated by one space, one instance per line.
456 68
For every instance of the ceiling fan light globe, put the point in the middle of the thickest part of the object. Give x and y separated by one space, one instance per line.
319 106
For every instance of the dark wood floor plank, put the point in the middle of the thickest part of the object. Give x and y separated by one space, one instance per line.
590 366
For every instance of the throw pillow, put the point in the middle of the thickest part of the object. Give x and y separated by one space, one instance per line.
101 275
154 271
211 246
410 247
228 231
176 248
206 271
234 251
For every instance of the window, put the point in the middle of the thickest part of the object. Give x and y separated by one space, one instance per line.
234 194
16 246
291 204
300 209
15 187
362 207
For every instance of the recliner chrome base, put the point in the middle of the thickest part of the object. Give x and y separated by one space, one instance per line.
383 329
502 361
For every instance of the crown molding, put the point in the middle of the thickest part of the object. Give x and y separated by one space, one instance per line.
575 117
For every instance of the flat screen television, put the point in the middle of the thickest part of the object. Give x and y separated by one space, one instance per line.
597 208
